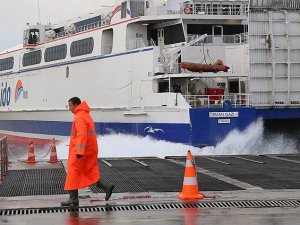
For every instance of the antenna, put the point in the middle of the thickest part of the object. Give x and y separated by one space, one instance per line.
38 4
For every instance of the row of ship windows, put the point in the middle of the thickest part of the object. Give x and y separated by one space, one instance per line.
78 48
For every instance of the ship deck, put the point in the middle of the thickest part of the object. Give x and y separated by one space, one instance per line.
265 188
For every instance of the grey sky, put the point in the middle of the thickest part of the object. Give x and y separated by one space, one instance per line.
14 14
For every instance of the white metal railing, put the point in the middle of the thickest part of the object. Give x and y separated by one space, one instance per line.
219 101
226 39
214 8
104 21
79 29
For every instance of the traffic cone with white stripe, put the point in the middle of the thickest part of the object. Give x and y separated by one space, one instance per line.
190 188
31 156
53 154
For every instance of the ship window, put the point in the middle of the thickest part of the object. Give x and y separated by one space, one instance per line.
137 8
82 47
173 34
56 53
6 63
32 58
123 10
33 36
107 42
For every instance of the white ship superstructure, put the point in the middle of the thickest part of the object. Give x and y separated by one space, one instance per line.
127 62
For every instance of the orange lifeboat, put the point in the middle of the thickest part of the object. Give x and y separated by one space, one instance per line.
198 67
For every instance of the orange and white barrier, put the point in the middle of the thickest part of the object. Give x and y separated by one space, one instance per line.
31 155
53 154
190 188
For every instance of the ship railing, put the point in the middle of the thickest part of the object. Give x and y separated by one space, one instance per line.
219 101
3 158
103 22
88 27
214 8
79 29
225 39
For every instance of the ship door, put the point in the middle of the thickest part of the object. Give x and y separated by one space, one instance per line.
161 37
233 86
217 33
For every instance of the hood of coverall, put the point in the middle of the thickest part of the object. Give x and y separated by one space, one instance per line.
82 106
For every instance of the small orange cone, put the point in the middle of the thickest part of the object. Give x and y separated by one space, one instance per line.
31 156
190 185
53 155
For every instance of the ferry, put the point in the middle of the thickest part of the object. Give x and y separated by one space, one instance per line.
180 71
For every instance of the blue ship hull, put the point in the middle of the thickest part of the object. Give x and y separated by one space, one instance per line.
202 130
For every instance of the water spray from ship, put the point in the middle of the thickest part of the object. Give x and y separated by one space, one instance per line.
251 141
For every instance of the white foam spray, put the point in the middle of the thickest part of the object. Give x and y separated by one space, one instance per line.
121 145
249 141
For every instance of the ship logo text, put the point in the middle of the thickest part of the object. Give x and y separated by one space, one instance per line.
5 95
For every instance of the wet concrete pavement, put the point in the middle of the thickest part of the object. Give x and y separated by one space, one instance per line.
131 207
283 216
87 214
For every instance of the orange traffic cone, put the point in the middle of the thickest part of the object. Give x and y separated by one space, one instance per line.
31 156
190 185
53 155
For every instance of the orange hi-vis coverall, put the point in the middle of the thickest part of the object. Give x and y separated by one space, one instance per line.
82 172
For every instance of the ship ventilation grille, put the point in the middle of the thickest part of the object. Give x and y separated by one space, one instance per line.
149 207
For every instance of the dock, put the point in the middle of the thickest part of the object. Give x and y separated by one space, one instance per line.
264 188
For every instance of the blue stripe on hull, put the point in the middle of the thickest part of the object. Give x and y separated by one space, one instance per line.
37 127
161 131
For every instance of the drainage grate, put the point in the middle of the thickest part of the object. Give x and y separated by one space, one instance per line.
162 206
33 182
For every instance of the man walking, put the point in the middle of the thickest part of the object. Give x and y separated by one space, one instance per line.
83 151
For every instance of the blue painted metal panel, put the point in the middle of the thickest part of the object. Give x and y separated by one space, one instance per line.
207 131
